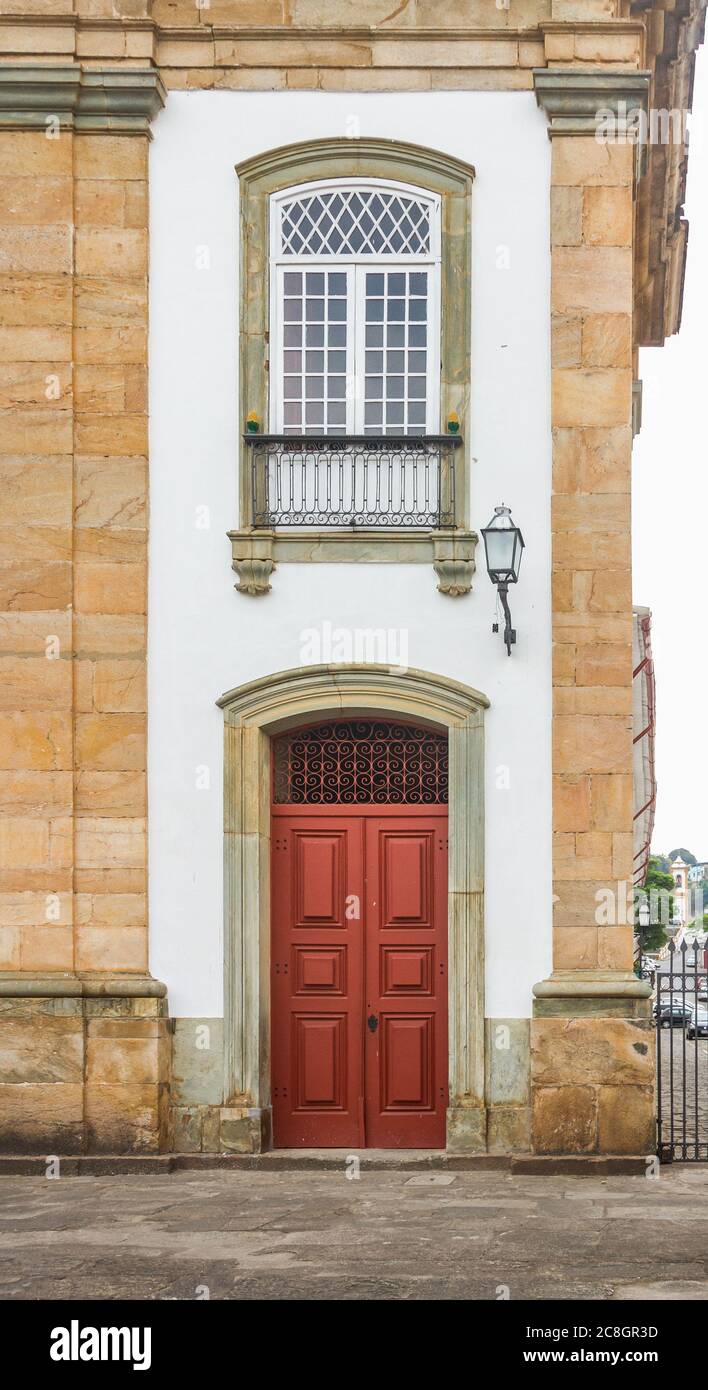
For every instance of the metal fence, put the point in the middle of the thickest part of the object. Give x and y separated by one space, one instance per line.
681 1018
386 482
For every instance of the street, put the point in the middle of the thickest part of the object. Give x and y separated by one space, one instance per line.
385 1236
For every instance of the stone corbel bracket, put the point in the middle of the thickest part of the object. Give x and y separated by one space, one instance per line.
450 552
252 560
582 101
121 100
454 561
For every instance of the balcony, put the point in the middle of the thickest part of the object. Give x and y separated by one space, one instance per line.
385 499
382 483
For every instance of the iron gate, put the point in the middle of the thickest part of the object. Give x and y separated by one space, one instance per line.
681 1018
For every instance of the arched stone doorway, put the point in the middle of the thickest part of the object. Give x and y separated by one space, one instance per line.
254 714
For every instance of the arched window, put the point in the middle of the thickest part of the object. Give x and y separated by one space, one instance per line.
355 309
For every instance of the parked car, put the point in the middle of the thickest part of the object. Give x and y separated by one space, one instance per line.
698 1025
671 1014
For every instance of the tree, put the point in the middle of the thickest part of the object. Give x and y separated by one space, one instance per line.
658 887
684 854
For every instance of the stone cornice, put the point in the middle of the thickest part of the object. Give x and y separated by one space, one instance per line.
575 99
119 100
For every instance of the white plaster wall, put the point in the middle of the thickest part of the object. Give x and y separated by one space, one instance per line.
204 638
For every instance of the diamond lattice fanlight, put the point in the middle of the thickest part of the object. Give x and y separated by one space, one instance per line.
355 221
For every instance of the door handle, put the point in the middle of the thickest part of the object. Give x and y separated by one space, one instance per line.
372 1022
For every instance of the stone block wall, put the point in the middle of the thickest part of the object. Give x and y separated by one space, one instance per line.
83 1075
591 1040
83 1046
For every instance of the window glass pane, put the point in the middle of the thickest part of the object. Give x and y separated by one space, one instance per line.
396 311
314 372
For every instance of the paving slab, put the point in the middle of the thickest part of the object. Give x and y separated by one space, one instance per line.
387 1235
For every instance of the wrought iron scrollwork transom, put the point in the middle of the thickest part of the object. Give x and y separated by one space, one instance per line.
362 761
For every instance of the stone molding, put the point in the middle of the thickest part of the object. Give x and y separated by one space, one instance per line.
573 97
592 994
120 100
84 984
253 713
255 554
452 179
573 984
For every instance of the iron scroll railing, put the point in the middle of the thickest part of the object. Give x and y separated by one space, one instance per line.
385 482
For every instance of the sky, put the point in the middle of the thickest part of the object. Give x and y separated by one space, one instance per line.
670 522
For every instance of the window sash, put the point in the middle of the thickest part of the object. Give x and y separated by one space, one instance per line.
356 276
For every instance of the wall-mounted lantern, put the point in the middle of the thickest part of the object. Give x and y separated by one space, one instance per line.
503 545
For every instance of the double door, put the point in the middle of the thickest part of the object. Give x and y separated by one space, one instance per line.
359 977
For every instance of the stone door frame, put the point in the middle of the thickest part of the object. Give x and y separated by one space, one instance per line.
253 713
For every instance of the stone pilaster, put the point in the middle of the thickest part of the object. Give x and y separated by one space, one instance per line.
591 1046
85 1024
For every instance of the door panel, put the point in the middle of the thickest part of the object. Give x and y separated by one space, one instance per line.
406 981
405 878
317 977
359 979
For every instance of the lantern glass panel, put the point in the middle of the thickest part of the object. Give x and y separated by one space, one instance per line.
500 545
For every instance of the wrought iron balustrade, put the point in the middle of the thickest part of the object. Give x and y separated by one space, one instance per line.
385 481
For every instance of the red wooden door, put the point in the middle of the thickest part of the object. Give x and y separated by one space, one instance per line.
317 960
406 981
359 977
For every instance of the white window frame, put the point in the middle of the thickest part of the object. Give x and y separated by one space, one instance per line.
359 264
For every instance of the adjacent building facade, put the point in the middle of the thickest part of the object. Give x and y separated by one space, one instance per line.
293 296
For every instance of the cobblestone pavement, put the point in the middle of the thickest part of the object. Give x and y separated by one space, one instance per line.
689 1060
389 1235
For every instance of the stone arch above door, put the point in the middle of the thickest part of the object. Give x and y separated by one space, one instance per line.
252 714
